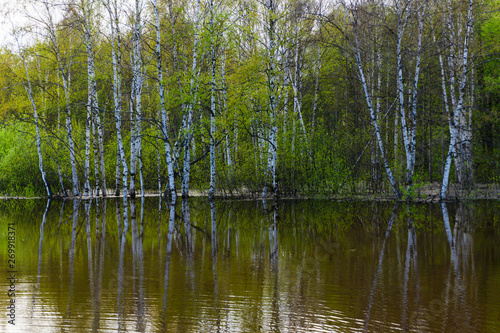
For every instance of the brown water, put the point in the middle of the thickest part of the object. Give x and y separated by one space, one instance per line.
309 266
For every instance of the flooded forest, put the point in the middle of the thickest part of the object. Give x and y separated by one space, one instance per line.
250 166
285 98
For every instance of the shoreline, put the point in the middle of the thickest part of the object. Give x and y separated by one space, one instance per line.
428 193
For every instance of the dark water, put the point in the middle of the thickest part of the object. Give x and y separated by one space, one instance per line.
309 266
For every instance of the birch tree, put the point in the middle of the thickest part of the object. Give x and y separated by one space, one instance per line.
27 87
352 18
135 100
459 104
65 74
87 10
271 7
404 12
164 119
188 128
116 56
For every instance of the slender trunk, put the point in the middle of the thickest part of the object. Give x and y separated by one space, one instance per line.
164 120
27 86
297 101
118 171
211 191
273 142
413 134
400 88
460 102
224 107
316 90
66 77
116 58
189 121
136 103
373 118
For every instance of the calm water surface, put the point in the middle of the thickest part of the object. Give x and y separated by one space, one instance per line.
246 266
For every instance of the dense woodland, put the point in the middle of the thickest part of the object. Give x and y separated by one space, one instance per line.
270 97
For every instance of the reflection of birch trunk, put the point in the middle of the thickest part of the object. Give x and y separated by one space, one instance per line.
186 216
214 259
39 270
120 307
100 250
167 263
461 253
410 264
90 261
76 204
378 273
273 244
138 267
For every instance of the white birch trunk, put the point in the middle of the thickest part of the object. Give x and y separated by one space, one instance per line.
136 103
66 76
271 7
164 120
69 129
28 89
189 121
91 94
373 117
116 58
460 102
118 171
211 191
404 128
413 134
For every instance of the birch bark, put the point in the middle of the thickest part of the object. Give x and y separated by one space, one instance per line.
117 82
368 97
211 191
193 96
66 77
271 7
164 119
28 89
136 95
460 102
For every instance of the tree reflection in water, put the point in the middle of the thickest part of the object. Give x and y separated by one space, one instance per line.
255 266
